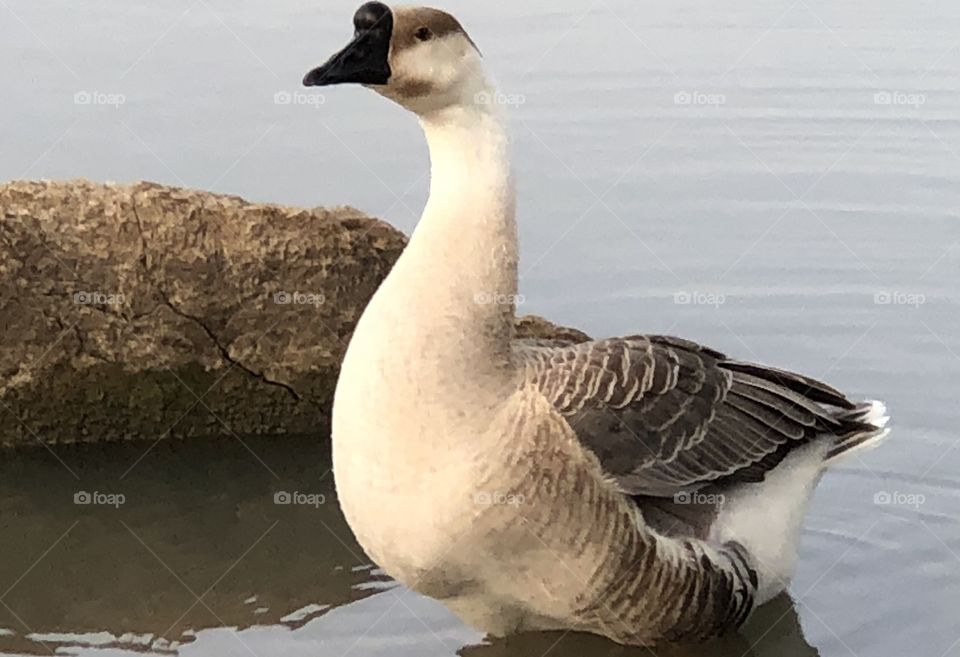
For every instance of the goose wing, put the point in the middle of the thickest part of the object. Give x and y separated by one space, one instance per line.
664 415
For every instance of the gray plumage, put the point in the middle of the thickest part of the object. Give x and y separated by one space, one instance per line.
662 416
665 415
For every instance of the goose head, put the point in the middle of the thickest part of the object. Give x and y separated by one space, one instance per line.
418 57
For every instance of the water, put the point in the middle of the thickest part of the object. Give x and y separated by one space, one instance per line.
777 180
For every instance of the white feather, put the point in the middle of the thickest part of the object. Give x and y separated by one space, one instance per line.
766 517
877 415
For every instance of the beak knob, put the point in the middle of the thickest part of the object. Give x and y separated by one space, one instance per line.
369 15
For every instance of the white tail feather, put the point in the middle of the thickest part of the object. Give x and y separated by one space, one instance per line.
766 517
871 412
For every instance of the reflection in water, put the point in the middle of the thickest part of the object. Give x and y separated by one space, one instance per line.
199 541
773 630
211 548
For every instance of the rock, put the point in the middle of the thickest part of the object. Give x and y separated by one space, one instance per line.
537 328
151 312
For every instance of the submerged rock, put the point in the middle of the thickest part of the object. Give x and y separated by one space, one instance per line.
148 312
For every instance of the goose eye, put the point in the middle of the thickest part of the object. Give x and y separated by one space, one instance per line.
424 34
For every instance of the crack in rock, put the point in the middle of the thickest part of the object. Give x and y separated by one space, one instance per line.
224 352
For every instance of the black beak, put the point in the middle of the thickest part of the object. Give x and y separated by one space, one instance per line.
365 60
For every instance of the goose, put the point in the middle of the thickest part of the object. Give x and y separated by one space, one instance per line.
644 488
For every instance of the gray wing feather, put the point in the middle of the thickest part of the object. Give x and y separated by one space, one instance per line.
665 415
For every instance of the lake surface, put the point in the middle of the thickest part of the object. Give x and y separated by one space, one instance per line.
780 180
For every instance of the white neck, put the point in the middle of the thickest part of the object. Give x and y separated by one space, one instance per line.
448 304
469 222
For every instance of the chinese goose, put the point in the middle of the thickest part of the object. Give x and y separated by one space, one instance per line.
644 488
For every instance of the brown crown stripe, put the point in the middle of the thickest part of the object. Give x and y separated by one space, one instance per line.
408 20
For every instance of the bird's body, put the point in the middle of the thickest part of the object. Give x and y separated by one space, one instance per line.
644 488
